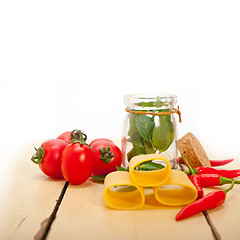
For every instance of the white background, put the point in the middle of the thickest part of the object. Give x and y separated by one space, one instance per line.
68 64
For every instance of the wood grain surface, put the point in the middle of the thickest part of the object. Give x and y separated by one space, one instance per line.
29 198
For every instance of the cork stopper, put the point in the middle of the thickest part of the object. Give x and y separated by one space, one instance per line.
192 150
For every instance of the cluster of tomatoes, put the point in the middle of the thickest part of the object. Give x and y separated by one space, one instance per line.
69 156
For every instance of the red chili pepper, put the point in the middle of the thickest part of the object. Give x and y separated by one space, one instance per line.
194 179
210 180
225 173
214 163
197 183
209 201
208 170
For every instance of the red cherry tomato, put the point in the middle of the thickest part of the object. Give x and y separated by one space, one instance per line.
77 163
106 157
48 156
100 140
66 136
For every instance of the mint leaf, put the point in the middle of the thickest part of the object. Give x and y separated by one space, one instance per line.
159 103
148 147
146 104
98 177
149 166
122 169
145 127
133 133
135 151
163 134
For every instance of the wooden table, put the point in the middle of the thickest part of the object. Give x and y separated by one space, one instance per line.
29 198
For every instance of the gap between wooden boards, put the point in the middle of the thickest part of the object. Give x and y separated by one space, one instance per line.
47 223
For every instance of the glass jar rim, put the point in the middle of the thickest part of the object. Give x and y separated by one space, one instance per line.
130 99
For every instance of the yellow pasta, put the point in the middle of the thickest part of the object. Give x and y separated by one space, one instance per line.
125 190
177 191
149 178
121 193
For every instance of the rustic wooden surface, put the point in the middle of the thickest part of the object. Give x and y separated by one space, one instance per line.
28 198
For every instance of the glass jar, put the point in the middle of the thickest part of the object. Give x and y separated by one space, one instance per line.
150 126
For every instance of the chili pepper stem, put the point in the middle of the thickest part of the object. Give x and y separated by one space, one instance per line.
224 180
228 189
195 179
188 165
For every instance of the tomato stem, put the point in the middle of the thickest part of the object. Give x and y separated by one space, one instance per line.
106 154
38 156
78 136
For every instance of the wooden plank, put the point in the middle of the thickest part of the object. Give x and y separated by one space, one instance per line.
85 215
27 195
226 217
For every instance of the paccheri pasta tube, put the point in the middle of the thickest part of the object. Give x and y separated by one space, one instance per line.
177 191
125 190
121 192
149 178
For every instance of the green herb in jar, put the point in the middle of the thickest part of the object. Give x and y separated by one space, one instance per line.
150 134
